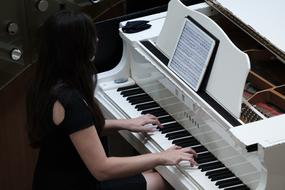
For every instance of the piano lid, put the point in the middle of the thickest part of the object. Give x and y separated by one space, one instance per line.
266 132
262 19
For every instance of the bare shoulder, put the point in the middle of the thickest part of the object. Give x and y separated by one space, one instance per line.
58 113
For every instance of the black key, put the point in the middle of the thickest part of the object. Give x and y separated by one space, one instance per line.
141 100
166 119
182 140
132 92
216 172
128 87
171 129
205 155
138 97
146 106
211 166
222 176
171 126
183 145
205 160
240 187
228 182
199 149
190 142
156 112
221 173
176 135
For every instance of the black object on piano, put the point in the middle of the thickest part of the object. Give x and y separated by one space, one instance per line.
136 26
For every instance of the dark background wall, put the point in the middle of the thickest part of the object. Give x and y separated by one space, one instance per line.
17 159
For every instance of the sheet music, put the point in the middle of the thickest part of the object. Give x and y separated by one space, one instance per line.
192 54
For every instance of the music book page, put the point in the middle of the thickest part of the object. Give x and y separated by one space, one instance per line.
192 53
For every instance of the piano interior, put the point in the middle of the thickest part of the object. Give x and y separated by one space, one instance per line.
263 92
242 152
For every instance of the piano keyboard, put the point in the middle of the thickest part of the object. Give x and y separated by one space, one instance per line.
211 173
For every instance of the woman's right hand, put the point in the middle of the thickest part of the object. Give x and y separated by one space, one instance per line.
175 154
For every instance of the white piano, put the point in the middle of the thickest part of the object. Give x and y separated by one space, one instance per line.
236 124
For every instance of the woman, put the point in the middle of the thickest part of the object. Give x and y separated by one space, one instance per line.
66 123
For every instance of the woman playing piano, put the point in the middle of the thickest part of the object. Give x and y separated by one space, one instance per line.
65 122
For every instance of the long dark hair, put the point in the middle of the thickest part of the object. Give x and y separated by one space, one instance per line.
68 42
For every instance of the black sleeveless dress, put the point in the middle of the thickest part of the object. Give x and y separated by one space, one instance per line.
59 165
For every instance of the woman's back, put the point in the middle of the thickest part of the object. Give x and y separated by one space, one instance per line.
59 164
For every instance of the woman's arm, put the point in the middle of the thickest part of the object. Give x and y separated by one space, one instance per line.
90 149
144 123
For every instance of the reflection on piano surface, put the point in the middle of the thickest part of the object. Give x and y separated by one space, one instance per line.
235 124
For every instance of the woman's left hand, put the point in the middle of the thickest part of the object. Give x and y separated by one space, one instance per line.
145 123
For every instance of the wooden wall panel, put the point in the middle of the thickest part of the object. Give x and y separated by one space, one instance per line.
17 159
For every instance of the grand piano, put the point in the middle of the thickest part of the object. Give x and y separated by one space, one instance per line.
235 122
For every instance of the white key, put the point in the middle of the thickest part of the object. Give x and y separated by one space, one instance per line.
161 140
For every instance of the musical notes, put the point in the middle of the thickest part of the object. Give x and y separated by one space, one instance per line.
192 54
